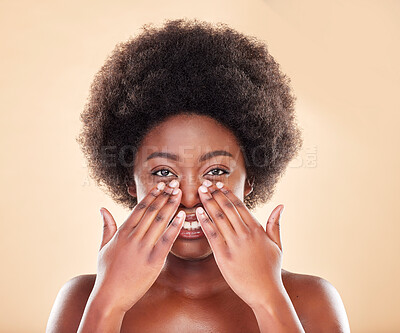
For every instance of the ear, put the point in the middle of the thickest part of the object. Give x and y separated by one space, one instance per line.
248 187
131 187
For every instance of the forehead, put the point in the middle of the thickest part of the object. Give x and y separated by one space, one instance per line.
189 137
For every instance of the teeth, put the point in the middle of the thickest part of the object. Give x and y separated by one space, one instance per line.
191 225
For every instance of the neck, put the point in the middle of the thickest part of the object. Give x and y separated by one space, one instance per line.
192 278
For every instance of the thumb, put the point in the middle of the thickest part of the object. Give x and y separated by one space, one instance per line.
273 227
109 226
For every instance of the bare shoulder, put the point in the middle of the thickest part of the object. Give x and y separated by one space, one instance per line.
317 303
70 303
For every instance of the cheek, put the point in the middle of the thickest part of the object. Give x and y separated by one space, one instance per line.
238 190
143 186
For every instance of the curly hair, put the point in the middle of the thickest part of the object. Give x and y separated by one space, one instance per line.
186 67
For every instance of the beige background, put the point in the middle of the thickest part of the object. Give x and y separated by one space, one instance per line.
341 218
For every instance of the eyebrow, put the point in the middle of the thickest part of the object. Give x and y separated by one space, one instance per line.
202 158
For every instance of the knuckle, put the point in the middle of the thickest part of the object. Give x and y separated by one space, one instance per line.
213 190
224 190
219 215
154 194
141 205
159 218
246 234
171 201
141 245
213 234
238 203
153 207
256 228
205 219
164 239
228 204
174 223
155 260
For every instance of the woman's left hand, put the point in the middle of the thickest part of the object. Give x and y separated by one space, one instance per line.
249 257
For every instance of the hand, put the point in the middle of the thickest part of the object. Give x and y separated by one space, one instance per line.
131 258
249 258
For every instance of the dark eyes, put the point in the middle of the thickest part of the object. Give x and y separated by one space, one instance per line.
165 172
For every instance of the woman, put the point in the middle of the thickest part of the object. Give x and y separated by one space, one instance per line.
190 126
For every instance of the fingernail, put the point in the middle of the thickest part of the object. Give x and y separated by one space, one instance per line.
161 186
203 189
180 214
173 183
207 183
200 210
219 185
175 191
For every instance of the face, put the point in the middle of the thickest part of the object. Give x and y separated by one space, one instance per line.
189 137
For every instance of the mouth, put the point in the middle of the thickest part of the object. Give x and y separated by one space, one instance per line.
190 222
191 228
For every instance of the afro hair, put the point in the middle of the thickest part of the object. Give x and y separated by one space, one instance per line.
189 66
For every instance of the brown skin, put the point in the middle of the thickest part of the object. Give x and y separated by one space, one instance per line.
190 293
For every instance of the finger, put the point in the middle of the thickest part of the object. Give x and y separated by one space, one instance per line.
164 243
215 212
228 208
161 220
215 239
139 210
273 227
245 214
109 227
165 198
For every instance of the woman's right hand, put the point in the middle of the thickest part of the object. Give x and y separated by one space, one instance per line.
131 258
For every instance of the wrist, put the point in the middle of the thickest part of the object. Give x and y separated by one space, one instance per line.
105 307
272 295
106 302
275 312
101 316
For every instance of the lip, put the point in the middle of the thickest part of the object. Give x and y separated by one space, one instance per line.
191 217
191 234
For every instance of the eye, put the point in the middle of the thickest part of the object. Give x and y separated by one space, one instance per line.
218 170
164 173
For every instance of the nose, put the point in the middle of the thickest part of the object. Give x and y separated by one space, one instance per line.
190 196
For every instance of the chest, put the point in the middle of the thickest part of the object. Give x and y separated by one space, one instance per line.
174 314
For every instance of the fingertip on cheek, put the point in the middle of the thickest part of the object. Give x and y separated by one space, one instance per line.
219 185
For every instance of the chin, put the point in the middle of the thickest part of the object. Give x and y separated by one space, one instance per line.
191 256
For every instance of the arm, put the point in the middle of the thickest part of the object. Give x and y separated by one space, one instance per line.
101 316
277 313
